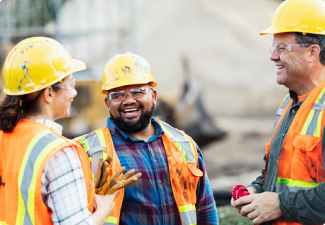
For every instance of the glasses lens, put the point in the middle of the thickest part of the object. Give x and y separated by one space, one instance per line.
117 96
135 93
138 93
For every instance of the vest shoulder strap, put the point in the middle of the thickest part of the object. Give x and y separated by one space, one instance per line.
281 109
182 142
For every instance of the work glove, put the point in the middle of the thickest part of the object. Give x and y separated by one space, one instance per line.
106 184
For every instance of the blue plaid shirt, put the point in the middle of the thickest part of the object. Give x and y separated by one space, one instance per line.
151 200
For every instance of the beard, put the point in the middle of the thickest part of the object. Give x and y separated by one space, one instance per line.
133 127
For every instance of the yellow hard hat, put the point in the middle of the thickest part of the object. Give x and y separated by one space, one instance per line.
126 69
36 63
306 16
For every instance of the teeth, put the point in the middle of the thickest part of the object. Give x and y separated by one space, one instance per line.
129 110
280 67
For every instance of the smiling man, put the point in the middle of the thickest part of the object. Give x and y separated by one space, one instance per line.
291 188
174 186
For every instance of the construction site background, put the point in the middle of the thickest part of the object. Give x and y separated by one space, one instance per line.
215 79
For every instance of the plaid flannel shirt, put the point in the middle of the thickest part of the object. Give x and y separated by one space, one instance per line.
151 200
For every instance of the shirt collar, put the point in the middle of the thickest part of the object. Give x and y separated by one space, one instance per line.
57 127
116 130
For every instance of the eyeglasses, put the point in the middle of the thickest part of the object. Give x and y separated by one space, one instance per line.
283 48
68 86
135 93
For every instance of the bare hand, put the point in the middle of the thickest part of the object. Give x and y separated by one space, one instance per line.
104 205
259 207
251 191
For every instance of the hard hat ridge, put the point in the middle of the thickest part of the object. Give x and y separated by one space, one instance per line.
306 16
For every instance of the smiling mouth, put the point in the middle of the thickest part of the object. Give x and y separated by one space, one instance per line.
129 111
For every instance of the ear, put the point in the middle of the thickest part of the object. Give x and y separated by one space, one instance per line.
48 94
107 102
314 52
154 96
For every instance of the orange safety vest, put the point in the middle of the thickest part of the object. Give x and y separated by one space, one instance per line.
182 160
300 165
24 152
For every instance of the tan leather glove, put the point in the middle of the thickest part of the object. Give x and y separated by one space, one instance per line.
105 184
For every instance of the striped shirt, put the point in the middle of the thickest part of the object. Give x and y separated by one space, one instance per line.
151 200
63 187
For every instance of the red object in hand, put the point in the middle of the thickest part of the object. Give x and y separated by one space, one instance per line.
239 191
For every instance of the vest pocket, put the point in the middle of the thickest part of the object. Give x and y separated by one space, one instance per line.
305 142
305 159
194 170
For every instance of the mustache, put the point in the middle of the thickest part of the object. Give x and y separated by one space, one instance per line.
138 105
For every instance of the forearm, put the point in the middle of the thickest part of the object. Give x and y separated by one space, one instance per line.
306 207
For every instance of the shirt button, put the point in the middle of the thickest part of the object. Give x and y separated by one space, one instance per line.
293 111
154 160
283 134
159 181
164 204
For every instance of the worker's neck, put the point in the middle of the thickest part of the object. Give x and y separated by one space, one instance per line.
145 134
47 115
316 76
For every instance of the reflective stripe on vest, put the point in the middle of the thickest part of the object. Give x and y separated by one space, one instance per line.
280 111
184 144
312 125
97 140
188 213
37 150
111 221
283 184
181 140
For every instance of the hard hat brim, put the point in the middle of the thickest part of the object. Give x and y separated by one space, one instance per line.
271 30
77 65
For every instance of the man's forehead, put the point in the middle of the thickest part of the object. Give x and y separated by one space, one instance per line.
284 38
128 87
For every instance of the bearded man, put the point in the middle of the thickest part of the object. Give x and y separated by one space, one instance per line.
174 186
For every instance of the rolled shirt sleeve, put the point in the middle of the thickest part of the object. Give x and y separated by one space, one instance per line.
205 206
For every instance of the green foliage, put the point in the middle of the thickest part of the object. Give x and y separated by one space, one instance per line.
229 216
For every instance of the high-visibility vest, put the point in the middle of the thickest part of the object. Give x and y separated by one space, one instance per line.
182 160
24 152
300 165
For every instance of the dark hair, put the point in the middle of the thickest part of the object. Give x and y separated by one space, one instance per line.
14 108
313 39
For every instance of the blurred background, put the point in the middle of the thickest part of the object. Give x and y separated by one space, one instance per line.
215 79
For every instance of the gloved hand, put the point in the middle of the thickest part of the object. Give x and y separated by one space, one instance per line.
105 184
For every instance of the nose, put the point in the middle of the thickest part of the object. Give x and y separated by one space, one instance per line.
274 56
75 93
128 98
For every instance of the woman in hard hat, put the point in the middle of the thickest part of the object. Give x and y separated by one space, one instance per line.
44 177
